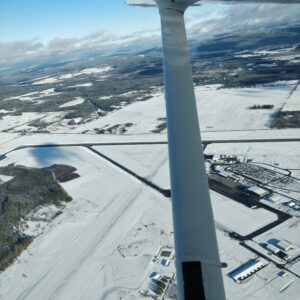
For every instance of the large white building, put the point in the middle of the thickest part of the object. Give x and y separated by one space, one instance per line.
247 269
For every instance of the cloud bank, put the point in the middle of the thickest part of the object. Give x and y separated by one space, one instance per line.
202 23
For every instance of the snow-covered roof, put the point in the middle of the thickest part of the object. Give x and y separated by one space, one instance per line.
257 190
284 245
247 270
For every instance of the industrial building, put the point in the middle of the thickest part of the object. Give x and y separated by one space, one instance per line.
258 191
273 249
284 245
247 269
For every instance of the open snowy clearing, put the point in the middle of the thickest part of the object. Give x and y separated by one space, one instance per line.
74 102
233 216
47 80
7 137
9 122
143 115
87 84
147 116
232 114
34 96
87 71
4 111
100 246
143 159
4 178
293 103
103 243
49 118
76 256
149 161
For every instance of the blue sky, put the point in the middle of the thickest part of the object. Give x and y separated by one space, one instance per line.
46 19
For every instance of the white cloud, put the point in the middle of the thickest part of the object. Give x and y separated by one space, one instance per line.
243 17
202 22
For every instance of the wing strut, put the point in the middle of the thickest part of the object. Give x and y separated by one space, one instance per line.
197 258
198 266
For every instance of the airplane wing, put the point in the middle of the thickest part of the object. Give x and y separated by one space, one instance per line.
251 1
151 3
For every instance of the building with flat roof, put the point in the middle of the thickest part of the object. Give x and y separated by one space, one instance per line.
258 191
273 249
247 269
285 245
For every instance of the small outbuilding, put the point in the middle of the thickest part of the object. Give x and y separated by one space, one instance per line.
273 249
284 245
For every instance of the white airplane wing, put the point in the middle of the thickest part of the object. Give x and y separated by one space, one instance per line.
151 3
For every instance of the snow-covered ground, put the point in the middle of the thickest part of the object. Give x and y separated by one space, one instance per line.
47 80
7 137
149 161
103 243
290 58
87 84
233 216
77 255
4 178
8 122
293 103
77 101
232 114
88 71
143 115
50 119
278 54
35 96
147 116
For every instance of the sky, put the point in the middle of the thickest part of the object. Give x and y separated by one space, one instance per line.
47 19
33 28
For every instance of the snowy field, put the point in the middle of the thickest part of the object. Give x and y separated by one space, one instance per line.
50 118
112 229
233 216
35 96
293 103
87 84
88 71
149 161
5 137
77 101
102 245
10 122
77 256
143 115
232 114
